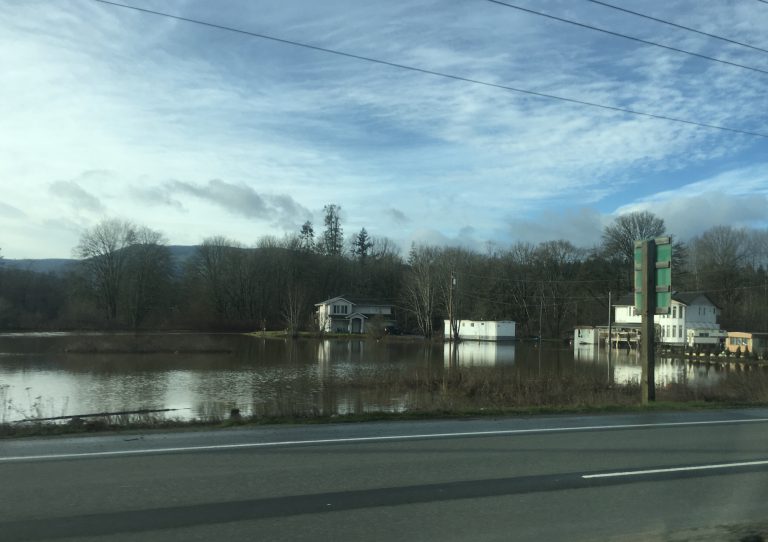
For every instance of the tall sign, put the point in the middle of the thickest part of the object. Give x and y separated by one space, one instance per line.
653 295
662 264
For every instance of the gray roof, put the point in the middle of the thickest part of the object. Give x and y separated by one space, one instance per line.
686 298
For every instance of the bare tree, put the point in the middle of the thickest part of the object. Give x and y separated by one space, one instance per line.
294 308
452 263
383 247
102 250
619 238
220 264
557 266
421 288
149 269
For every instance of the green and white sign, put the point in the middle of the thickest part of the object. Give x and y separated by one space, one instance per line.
661 248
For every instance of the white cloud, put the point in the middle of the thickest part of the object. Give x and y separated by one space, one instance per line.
294 129
737 197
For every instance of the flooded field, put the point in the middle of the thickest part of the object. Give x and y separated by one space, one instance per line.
206 375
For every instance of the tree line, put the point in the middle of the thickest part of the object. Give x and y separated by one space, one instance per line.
128 278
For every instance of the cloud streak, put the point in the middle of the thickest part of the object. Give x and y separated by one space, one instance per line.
240 199
76 196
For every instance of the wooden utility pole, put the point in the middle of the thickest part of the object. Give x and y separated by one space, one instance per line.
610 333
647 328
453 330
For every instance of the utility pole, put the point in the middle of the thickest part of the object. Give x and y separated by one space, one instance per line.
610 332
653 295
647 328
451 309
541 310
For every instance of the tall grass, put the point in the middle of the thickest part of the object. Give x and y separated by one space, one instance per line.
369 393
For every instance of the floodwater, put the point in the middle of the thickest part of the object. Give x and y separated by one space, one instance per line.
45 375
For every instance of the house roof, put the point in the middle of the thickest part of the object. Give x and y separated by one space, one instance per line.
332 299
686 298
355 301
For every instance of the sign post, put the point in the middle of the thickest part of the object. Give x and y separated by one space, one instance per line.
653 295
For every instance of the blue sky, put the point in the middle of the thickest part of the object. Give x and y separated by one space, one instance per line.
108 112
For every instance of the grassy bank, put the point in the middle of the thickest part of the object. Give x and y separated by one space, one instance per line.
424 394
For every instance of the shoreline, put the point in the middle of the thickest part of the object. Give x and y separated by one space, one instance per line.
32 429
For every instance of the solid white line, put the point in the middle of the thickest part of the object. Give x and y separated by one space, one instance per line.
375 439
676 469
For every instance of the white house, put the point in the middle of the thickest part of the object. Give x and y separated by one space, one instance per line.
692 319
342 315
499 330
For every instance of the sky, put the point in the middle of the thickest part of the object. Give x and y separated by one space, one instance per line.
107 112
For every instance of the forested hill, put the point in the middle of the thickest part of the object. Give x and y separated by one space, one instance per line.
179 254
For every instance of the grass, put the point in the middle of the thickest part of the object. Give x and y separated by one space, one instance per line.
463 392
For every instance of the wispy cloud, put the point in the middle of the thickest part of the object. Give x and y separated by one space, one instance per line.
9 211
79 198
160 99
243 200
397 215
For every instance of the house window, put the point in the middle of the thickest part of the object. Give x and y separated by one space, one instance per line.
674 312
681 311
340 309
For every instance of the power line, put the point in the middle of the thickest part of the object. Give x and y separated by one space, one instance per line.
625 36
670 23
436 73
535 281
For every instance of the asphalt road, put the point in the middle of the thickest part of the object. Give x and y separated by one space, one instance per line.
659 476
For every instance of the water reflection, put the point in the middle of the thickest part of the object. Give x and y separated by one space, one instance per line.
46 375
472 353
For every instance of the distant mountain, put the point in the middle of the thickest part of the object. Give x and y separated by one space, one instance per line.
47 265
179 253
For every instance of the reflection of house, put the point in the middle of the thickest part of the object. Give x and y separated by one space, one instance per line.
500 330
740 341
692 319
341 315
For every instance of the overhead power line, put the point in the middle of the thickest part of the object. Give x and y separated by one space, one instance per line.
435 73
627 37
670 23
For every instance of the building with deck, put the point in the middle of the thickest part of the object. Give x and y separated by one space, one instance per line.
692 320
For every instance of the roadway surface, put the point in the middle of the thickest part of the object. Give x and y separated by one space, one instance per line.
653 476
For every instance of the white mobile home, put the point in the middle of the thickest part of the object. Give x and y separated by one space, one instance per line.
479 330
585 335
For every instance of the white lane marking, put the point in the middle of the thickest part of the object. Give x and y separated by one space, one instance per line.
676 469
383 438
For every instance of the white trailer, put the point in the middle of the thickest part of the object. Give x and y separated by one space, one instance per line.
479 330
